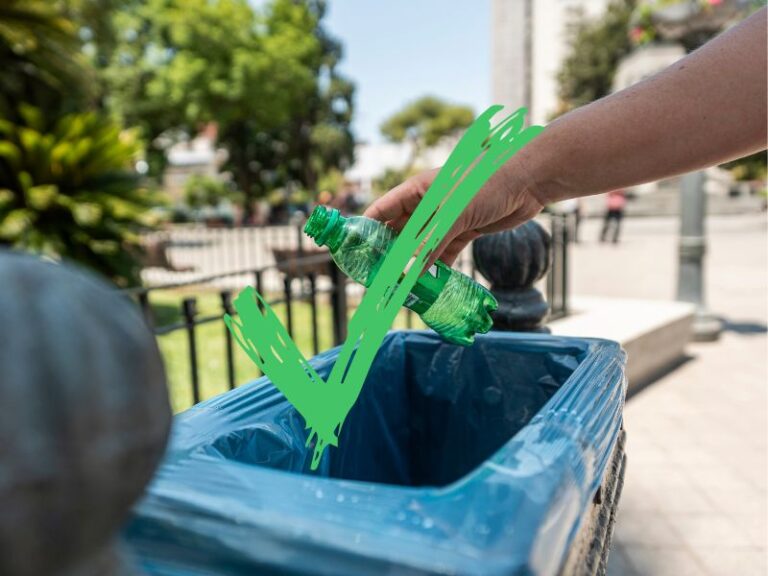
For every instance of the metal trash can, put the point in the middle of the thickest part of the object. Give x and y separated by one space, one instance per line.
505 457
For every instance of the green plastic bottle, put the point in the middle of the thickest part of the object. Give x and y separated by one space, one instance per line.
452 304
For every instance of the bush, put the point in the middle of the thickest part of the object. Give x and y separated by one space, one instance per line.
205 191
67 191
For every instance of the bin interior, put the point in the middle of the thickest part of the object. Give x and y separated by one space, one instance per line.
429 413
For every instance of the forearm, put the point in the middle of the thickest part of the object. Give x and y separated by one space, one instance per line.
706 109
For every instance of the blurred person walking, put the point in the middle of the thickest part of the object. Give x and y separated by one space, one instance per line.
615 203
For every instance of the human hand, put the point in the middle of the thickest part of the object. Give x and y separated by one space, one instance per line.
504 202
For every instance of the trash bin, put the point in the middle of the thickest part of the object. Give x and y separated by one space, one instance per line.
478 460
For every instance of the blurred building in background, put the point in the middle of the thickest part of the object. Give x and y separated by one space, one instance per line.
196 156
530 41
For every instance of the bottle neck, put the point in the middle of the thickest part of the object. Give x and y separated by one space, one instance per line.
325 226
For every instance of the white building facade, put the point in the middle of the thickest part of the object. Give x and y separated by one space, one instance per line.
529 44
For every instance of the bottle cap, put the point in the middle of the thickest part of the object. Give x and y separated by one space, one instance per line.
320 223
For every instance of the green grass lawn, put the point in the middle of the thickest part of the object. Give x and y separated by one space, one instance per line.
211 343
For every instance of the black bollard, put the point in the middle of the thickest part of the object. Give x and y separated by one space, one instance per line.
513 261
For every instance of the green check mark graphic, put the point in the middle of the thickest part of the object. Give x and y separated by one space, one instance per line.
324 405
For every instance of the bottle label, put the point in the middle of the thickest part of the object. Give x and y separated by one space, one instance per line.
428 288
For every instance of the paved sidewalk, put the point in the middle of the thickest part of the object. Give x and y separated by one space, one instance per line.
694 501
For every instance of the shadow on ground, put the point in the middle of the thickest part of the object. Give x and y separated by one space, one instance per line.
744 327
640 385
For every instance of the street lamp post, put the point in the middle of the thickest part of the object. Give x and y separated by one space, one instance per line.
690 284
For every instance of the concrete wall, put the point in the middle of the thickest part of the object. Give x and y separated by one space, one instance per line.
530 42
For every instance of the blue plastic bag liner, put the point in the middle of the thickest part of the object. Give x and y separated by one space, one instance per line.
478 460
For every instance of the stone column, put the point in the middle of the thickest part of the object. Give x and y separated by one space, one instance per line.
692 248
513 261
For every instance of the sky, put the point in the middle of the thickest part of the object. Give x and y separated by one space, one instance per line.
398 50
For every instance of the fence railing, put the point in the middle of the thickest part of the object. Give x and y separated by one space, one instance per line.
197 254
301 285
300 277
557 277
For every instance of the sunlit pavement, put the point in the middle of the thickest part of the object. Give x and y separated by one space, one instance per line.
694 500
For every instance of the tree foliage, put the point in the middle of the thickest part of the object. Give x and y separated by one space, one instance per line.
425 122
67 191
596 48
40 59
391 178
74 71
267 78
752 167
206 191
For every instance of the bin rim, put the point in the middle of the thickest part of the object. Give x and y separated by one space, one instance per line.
551 468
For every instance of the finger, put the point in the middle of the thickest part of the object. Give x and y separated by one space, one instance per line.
513 220
452 244
458 238
393 204
399 223
453 250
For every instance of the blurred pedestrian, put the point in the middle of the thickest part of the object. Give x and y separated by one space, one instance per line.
614 212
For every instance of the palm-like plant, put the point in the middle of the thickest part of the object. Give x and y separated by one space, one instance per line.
69 192
40 58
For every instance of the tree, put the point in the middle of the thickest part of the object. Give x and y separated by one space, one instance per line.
96 26
391 178
66 185
596 48
331 182
67 191
424 123
319 137
267 79
752 167
40 62
205 191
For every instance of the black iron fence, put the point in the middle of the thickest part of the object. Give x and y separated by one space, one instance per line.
557 277
299 276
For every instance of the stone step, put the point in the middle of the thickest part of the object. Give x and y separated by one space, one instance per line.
654 333
666 202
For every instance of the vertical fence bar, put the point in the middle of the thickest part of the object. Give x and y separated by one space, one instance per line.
552 270
408 318
338 305
564 268
300 239
226 305
558 271
313 311
189 309
259 280
557 279
288 303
